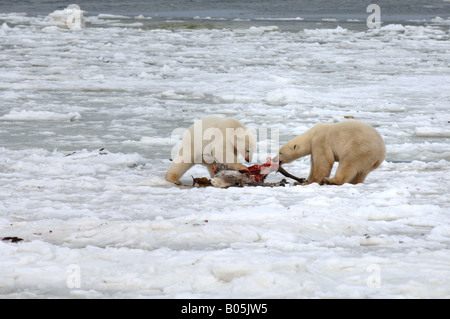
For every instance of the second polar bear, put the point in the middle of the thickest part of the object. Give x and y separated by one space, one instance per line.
357 146
210 141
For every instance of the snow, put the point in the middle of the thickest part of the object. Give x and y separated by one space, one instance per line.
88 120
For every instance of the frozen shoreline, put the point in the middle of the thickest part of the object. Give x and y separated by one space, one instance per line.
116 220
67 94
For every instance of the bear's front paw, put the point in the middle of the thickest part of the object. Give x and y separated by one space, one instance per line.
174 181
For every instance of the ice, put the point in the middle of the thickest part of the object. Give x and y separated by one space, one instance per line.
4 29
88 121
439 20
432 132
25 115
393 27
257 30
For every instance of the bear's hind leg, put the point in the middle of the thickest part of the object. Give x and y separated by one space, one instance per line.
345 173
359 178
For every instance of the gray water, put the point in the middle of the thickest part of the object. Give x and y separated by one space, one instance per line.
129 77
311 12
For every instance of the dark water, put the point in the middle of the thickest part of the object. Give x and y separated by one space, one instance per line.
309 10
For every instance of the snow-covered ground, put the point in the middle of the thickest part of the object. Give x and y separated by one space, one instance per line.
86 132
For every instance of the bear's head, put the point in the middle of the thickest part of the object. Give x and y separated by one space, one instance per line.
287 153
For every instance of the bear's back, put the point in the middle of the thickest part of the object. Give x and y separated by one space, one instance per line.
359 133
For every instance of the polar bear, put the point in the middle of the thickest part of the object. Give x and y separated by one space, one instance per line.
210 141
357 146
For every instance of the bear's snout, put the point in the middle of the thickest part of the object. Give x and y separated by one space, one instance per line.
276 160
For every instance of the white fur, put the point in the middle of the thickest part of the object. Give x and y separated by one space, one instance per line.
211 141
357 146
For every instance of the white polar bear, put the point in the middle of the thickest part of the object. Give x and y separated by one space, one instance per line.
357 146
210 141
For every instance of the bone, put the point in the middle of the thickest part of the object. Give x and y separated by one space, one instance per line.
283 171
